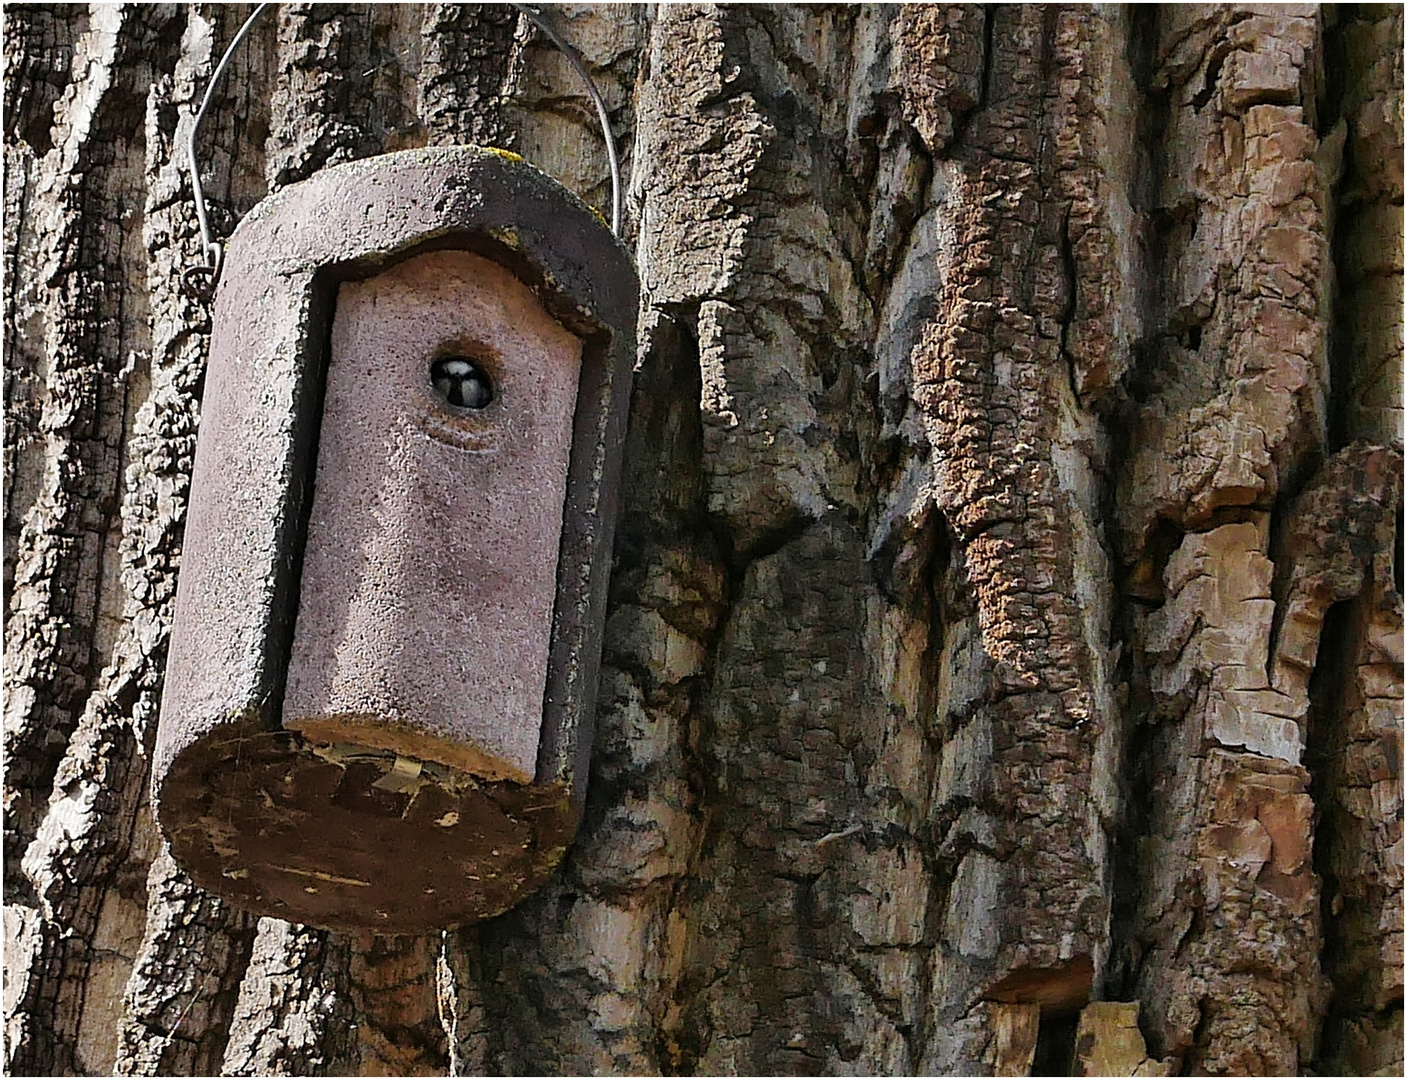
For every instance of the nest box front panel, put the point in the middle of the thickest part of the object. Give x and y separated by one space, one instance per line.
430 570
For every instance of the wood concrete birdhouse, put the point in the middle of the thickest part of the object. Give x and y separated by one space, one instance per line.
378 704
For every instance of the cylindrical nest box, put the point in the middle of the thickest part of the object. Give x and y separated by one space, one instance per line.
378 704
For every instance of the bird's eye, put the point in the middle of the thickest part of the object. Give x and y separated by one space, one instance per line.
461 382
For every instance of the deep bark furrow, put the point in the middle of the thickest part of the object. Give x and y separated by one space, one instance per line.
794 902
1228 929
38 57
1026 794
1367 372
183 989
87 893
392 984
1336 642
293 1016
39 46
1245 323
68 342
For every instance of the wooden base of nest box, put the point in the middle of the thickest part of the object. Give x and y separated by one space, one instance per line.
352 837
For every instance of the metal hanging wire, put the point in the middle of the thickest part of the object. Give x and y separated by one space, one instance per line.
213 251
209 248
536 17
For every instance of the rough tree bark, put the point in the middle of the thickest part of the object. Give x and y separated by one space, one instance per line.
1004 663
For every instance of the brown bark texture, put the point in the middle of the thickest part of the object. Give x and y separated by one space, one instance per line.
1003 672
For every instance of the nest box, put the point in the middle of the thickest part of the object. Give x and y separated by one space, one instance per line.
378 702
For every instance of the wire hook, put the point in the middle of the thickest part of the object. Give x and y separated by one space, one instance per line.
213 251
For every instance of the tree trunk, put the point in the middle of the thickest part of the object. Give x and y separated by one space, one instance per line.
1003 671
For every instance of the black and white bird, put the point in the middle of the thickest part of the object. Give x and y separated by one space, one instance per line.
461 382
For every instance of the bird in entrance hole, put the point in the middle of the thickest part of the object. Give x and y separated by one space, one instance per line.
461 382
